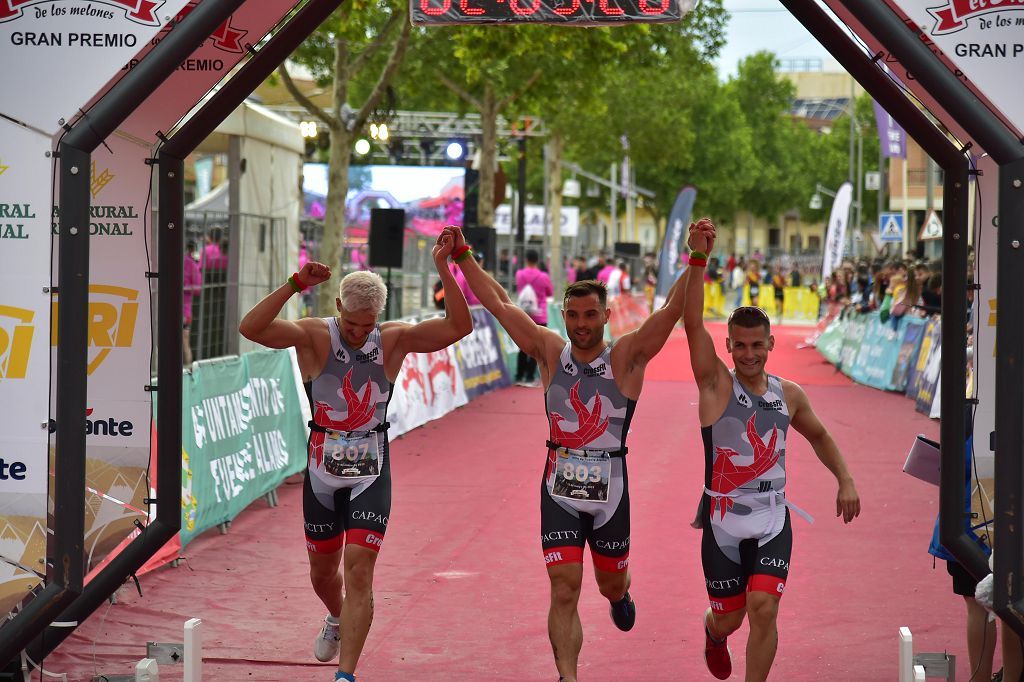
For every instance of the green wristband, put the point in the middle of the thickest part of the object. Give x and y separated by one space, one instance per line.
699 255
468 253
294 285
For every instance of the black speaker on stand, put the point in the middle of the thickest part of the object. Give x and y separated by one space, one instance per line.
483 240
387 241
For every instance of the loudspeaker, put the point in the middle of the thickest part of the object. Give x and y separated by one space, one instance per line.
387 232
483 240
627 249
471 201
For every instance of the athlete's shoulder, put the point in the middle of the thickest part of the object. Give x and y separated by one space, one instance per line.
794 393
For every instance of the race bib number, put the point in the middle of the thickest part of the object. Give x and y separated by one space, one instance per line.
582 476
356 457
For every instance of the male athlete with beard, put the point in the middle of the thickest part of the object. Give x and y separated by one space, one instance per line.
590 389
349 364
744 514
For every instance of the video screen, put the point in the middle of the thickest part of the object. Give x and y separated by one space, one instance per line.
432 196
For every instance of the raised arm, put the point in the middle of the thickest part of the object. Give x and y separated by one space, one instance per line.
435 334
645 342
527 334
708 368
261 323
806 422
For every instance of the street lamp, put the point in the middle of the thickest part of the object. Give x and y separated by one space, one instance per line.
815 203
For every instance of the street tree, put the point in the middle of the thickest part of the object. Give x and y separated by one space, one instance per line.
356 52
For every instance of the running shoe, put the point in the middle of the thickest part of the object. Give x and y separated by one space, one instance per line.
624 613
716 653
328 642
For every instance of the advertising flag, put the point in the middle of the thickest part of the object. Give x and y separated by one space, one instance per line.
836 237
669 262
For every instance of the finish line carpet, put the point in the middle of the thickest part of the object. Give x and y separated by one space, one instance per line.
461 591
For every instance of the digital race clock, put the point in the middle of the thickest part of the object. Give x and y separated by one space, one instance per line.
573 12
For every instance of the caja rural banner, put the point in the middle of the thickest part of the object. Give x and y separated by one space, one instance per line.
39 41
119 367
24 358
243 432
118 405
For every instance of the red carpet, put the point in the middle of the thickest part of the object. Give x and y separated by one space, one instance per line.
461 591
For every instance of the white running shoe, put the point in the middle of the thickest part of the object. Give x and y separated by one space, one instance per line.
328 642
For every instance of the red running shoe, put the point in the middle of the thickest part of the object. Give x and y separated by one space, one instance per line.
716 653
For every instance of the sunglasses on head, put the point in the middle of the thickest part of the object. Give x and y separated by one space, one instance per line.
749 311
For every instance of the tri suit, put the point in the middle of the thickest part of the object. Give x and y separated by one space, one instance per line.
347 486
584 490
747 533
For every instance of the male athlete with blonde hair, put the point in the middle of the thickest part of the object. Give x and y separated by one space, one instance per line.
349 364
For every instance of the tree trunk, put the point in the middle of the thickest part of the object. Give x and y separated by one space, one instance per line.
555 149
488 154
332 245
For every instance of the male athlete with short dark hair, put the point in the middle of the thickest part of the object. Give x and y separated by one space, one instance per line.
744 513
590 390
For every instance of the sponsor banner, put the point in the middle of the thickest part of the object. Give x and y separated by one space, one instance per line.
984 316
856 327
504 224
830 342
982 41
25 201
878 354
242 434
171 549
428 386
670 258
24 310
835 238
479 356
43 37
910 347
929 362
119 363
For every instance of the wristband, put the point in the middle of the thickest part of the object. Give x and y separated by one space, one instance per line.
463 253
699 262
296 283
699 255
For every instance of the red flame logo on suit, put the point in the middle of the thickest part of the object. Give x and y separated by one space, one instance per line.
726 476
589 425
359 411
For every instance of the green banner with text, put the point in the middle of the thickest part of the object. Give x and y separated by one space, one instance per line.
242 434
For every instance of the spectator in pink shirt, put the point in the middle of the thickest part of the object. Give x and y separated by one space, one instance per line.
213 256
606 272
192 284
540 282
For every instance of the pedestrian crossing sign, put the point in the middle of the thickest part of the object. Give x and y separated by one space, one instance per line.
891 229
931 228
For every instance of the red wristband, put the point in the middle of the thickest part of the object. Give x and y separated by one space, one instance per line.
698 262
297 283
458 252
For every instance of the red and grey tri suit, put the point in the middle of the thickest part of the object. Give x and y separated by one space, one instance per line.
747 535
349 396
587 412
